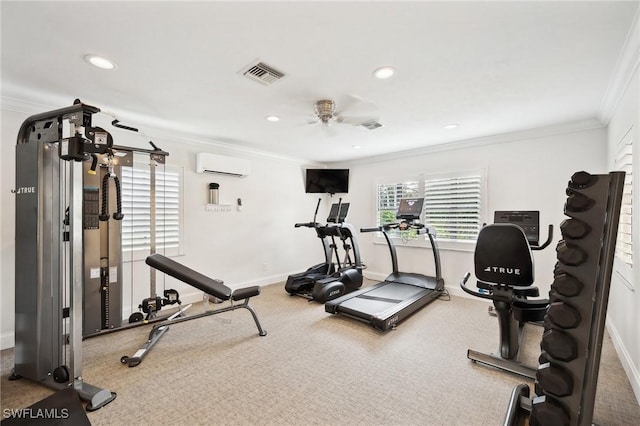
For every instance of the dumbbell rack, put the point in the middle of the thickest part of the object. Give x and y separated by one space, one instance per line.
571 345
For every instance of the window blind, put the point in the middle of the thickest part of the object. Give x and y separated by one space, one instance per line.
453 207
136 206
624 162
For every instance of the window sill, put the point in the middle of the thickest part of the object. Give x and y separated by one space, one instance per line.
466 246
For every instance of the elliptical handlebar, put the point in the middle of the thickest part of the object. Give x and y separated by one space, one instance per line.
306 225
546 243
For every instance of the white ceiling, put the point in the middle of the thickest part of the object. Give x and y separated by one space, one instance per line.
491 67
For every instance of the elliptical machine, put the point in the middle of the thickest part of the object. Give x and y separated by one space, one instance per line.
331 279
303 281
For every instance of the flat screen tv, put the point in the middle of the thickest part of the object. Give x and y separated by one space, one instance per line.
331 181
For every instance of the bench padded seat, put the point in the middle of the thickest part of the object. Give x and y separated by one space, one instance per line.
201 282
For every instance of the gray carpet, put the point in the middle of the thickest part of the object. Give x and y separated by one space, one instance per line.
315 369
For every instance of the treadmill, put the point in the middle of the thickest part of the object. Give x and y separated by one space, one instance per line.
385 304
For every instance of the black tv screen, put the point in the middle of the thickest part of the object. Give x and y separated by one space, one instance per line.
331 181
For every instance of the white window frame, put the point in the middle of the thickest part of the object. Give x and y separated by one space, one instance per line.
623 161
420 178
139 212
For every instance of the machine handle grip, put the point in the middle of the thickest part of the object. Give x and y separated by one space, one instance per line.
546 243
472 292
379 228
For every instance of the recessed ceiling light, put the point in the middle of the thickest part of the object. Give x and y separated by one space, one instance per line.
384 72
450 126
272 118
100 62
356 147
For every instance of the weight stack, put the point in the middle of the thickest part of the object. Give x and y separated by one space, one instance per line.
574 324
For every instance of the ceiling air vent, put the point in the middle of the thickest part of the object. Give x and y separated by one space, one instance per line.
371 124
262 73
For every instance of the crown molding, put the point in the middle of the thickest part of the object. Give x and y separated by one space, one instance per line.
535 133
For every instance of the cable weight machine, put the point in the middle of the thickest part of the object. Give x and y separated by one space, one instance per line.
68 257
49 248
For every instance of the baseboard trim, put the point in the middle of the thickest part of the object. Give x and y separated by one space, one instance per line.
625 359
7 341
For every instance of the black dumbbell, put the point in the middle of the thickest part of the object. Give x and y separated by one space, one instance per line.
555 380
577 202
574 228
563 315
570 254
581 180
566 284
559 345
546 411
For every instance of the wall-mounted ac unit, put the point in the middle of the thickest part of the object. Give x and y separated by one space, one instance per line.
212 163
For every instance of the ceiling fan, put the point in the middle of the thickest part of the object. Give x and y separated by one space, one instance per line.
326 113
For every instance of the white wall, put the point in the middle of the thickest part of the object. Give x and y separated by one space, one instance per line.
525 171
258 245
624 301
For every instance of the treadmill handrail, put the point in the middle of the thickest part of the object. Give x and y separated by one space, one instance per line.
392 247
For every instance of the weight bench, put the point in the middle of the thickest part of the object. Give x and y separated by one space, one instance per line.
210 286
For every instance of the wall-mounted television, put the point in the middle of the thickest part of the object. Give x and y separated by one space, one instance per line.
327 181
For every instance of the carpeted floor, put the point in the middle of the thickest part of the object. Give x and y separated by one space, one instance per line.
315 369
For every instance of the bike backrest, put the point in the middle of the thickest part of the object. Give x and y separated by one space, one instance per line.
503 256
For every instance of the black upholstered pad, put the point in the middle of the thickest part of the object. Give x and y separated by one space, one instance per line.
503 255
179 271
245 293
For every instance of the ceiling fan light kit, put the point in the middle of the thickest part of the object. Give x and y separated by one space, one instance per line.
325 108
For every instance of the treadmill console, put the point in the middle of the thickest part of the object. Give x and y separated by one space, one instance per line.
529 221
336 216
410 208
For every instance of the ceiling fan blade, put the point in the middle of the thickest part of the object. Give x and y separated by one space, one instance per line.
356 105
355 121
329 130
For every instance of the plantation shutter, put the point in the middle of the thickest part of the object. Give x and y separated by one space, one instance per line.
136 206
453 208
389 196
624 162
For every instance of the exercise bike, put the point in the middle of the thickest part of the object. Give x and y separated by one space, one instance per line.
505 275
331 279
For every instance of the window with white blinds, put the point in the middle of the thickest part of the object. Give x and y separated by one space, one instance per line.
452 203
136 206
453 206
624 162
